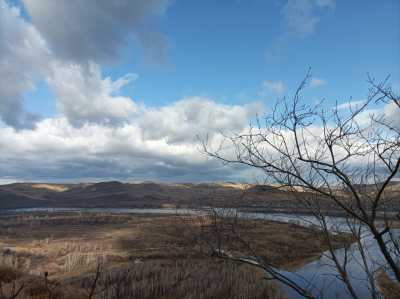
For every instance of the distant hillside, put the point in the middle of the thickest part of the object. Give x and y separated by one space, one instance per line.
148 194
153 195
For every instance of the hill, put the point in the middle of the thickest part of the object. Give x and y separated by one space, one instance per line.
115 194
139 195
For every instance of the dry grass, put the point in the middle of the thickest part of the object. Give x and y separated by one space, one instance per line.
15 284
187 279
389 288
65 243
284 245
182 279
145 256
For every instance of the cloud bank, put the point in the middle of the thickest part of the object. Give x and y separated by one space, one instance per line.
97 133
80 31
160 143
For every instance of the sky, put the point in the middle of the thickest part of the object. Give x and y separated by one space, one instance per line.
104 90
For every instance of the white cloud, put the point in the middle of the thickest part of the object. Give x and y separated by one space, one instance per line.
23 60
390 112
160 144
79 31
268 87
300 16
317 82
83 96
350 105
186 118
98 132
125 80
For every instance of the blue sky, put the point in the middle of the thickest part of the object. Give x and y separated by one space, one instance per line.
228 54
220 48
226 49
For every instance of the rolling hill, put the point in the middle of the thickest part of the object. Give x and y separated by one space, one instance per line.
115 194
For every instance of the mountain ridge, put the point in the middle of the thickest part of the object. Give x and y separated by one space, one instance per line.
114 194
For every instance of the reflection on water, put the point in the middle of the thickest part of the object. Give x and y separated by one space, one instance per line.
319 275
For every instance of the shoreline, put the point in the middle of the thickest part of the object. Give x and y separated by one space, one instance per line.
130 210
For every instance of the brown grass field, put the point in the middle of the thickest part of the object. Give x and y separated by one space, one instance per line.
144 256
389 289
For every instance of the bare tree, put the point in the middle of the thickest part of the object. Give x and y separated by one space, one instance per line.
341 159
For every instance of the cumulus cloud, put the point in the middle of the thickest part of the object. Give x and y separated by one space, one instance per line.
84 96
159 144
268 87
186 118
23 60
82 31
98 133
300 16
60 47
390 113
